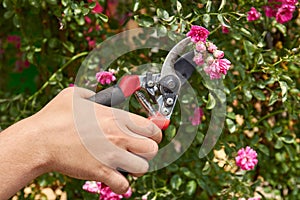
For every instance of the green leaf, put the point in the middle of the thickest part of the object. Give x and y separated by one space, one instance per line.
273 98
247 94
206 19
291 151
64 2
284 87
278 144
103 17
221 20
288 139
223 3
16 21
170 132
69 46
136 5
231 125
161 13
191 187
258 94
246 32
92 5
281 28
161 30
51 2
144 20
8 14
178 6
211 103
188 173
206 169
176 182
264 149
208 6
249 48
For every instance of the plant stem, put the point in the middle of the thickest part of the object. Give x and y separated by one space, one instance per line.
52 77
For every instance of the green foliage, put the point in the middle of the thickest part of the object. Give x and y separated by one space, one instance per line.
262 89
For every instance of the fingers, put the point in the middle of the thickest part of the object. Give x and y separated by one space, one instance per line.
143 147
117 182
144 127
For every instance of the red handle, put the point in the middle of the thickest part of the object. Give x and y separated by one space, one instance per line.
160 121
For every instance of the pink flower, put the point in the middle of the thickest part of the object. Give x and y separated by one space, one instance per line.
14 39
98 8
246 158
218 54
217 68
285 13
224 65
225 30
211 47
198 59
105 77
92 186
253 14
196 118
254 198
200 46
213 71
290 2
91 42
87 19
105 192
269 11
198 33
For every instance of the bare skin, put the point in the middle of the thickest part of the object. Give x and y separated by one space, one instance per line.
50 141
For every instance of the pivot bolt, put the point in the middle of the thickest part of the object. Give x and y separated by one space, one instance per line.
165 111
150 83
169 101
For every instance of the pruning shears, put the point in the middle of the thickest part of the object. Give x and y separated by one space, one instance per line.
162 88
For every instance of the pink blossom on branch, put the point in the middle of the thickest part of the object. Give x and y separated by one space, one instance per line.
253 14
198 33
225 30
105 77
246 158
200 46
285 13
198 59
105 192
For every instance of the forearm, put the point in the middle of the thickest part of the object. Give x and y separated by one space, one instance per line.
22 157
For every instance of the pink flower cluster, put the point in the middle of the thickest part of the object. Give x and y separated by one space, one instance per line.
253 14
207 53
105 77
198 33
105 192
196 118
282 10
246 158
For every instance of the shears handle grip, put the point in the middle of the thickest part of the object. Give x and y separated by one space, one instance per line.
117 94
161 121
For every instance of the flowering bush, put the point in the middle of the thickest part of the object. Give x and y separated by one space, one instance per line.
251 47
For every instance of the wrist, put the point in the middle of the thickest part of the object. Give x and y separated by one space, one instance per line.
24 156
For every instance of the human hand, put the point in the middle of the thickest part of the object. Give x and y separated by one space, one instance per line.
112 139
81 139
